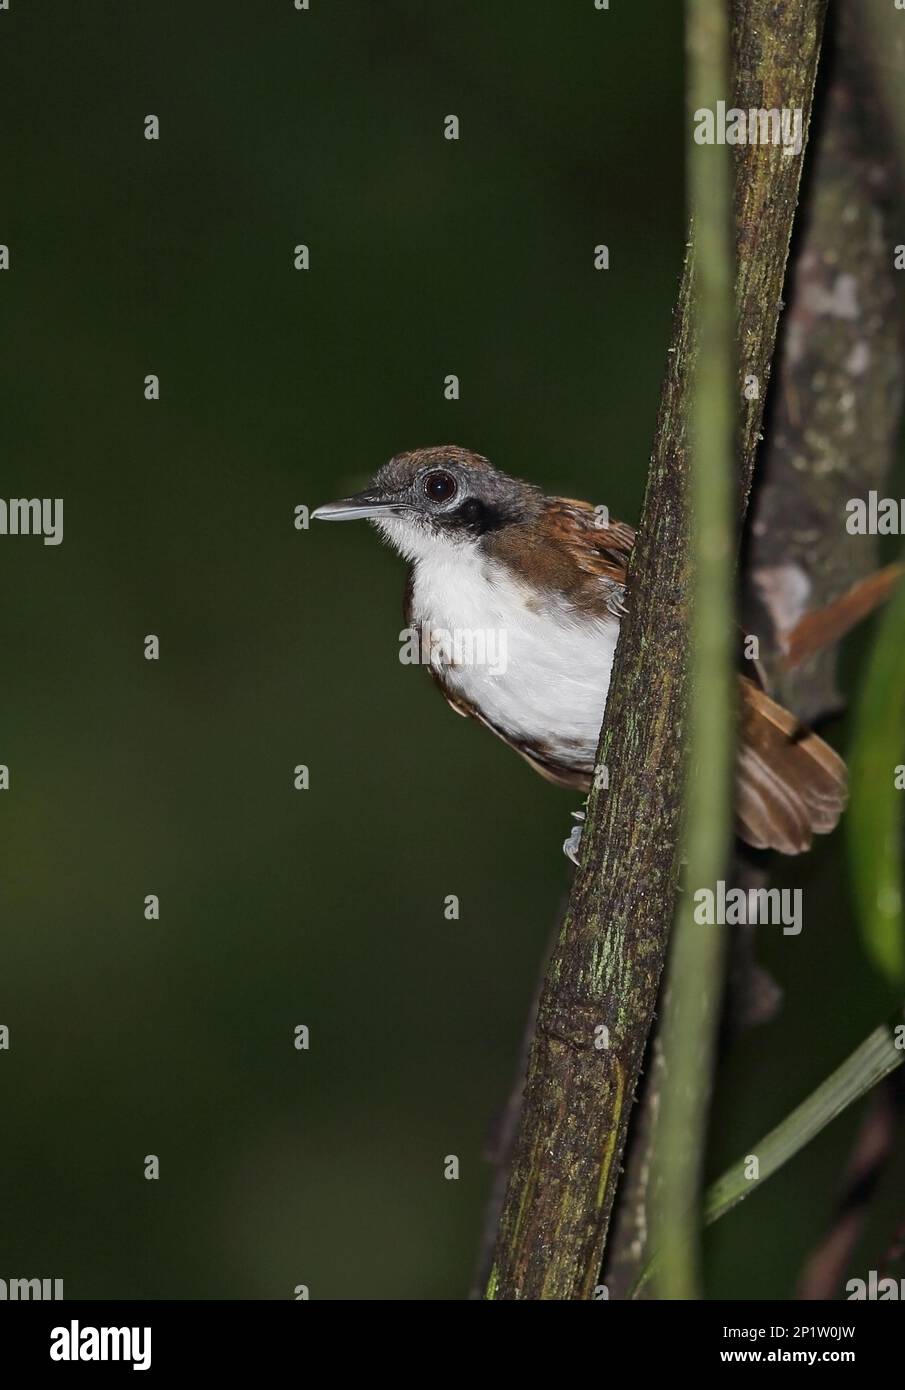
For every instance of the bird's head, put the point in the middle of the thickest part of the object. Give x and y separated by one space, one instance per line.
434 495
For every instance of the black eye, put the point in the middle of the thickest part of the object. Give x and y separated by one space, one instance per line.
440 487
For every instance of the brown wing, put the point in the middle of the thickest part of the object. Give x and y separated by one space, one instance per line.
598 544
571 549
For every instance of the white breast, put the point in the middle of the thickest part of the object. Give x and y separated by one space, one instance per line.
547 666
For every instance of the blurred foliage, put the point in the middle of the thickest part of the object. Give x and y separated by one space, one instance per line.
875 820
279 647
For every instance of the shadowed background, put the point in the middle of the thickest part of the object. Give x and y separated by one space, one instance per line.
278 646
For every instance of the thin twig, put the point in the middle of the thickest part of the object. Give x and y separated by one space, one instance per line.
695 969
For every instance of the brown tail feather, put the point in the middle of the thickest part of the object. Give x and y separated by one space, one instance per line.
790 784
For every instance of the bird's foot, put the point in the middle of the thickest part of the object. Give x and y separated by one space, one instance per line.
572 845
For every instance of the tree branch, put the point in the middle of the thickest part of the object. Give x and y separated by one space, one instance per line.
605 967
833 421
836 412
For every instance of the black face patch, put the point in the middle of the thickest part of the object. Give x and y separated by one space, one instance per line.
475 516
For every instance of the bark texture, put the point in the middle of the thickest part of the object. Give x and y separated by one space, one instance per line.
601 983
836 412
832 425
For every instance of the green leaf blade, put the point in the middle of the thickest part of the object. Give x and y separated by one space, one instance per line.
876 818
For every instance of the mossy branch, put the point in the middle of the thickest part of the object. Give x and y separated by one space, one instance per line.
832 434
603 975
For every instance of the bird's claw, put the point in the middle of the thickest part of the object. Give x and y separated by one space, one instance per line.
572 844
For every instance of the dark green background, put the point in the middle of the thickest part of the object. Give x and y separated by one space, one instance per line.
279 646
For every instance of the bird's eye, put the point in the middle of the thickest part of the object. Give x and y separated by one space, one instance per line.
440 487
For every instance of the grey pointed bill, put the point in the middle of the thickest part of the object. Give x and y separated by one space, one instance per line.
363 505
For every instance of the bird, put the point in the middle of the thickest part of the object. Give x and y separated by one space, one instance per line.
543 579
